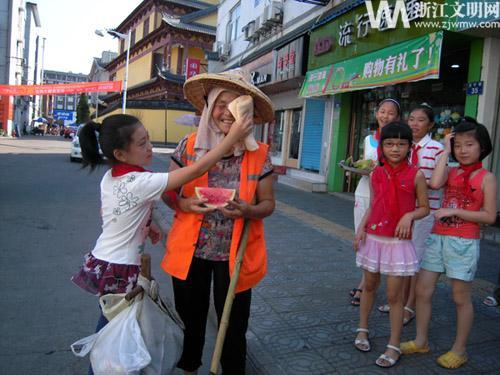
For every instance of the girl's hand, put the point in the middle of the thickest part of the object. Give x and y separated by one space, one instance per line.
154 234
403 229
236 209
241 128
447 142
359 238
193 205
444 212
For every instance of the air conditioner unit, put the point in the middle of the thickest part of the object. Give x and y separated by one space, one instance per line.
273 14
248 30
224 50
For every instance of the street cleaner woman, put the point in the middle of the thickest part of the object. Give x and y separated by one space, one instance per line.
453 247
388 110
383 240
128 192
202 243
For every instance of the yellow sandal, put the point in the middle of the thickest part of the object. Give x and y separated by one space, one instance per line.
410 347
452 360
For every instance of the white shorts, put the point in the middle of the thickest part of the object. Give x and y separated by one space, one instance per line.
421 231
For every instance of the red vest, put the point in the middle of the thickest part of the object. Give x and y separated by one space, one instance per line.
455 198
183 236
381 222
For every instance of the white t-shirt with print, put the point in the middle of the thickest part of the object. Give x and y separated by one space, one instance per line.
127 202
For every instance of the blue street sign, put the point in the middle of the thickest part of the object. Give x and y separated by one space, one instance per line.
475 88
61 114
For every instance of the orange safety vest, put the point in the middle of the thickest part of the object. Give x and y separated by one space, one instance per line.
183 235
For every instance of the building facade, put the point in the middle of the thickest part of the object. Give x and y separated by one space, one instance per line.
66 103
20 62
168 41
270 41
354 67
99 74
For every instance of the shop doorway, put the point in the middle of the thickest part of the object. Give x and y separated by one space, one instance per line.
286 137
292 138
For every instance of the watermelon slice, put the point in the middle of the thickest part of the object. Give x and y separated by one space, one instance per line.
217 197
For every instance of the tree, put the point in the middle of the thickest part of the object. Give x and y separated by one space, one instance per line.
82 109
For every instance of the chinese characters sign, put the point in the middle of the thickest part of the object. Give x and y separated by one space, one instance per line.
413 60
61 89
192 67
316 82
288 60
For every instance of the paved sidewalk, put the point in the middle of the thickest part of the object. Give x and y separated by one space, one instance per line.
302 321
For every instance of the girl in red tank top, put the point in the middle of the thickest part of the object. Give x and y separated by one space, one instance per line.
453 247
383 240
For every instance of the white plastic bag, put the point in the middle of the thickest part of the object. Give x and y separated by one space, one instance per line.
118 348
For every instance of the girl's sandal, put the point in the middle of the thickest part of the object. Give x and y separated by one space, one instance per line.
491 301
410 347
452 360
384 308
385 361
412 316
353 291
363 345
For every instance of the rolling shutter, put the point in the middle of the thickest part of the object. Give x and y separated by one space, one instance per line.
313 134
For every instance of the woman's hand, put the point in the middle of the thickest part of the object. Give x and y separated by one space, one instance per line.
193 205
447 142
359 238
154 234
236 209
241 128
403 229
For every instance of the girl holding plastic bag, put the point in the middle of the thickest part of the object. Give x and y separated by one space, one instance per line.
128 192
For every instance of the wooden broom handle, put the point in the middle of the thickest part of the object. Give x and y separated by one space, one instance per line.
146 272
228 304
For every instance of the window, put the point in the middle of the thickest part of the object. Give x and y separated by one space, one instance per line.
132 38
122 45
145 30
233 29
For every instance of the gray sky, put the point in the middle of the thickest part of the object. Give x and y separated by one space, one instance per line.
69 26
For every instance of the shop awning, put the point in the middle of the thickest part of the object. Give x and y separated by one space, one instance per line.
413 60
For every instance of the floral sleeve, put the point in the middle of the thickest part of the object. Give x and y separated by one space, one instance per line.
267 169
179 155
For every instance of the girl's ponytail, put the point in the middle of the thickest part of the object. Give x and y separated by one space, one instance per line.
89 144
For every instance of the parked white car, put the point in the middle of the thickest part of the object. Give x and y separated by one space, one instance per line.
75 154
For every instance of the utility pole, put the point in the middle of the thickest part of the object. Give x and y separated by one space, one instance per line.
44 98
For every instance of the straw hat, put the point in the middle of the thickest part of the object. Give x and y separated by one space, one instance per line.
196 91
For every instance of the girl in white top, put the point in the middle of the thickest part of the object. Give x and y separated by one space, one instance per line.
388 111
128 192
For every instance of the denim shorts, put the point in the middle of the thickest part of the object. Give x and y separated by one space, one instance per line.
456 256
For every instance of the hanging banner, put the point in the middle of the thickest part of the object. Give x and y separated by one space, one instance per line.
414 60
61 89
316 82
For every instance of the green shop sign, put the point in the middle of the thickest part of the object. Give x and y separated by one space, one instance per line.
413 60
351 34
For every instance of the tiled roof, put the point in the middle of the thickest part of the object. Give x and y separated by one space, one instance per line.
196 27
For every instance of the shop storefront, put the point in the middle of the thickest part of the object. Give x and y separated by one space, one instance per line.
358 67
298 137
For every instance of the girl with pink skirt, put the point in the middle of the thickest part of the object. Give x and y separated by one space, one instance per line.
383 239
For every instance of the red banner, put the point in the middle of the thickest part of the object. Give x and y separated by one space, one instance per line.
192 67
61 88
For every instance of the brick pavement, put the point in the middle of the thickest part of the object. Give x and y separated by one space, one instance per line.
302 322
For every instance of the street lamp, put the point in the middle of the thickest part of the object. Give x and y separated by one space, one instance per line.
116 34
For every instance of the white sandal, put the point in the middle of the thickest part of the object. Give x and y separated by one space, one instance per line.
385 357
412 315
364 342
